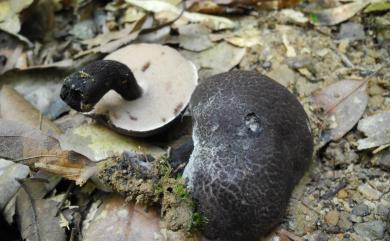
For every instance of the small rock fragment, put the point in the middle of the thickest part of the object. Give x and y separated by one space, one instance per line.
384 160
383 211
332 217
344 222
371 230
361 210
351 31
369 192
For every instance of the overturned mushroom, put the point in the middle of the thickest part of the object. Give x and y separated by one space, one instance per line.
252 144
136 90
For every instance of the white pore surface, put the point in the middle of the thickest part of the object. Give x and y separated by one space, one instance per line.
167 80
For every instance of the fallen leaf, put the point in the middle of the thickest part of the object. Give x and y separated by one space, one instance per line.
105 38
15 108
128 222
194 37
377 130
213 22
10 171
218 59
98 142
343 103
21 143
36 217
338 14
111 45
9 14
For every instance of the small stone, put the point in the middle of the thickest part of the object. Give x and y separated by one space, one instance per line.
369 192
382 211
384 160
344 222
84 30
356 219
351 31
317 236
267 65
305 220
371 230
342 194
361 210
332 217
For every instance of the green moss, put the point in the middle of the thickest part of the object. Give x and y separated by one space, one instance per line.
157 186
198 221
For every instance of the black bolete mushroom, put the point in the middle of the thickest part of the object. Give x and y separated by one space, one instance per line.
252 144
136 90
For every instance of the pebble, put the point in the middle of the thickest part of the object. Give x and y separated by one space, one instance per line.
371 230
361 210
351 31
382 211
84 30
384 160
332 217
369 192
344 222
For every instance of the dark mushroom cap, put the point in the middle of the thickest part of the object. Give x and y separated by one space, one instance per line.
252 144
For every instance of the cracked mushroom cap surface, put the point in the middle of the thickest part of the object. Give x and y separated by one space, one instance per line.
167 80
252 144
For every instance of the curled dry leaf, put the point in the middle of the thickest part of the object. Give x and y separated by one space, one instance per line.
339 14
213 22
194 37
343 103
377 130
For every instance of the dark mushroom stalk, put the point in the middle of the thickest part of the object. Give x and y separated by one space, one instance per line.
152 85
84 88
252 144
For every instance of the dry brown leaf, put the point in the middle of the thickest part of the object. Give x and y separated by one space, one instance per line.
36 217
128 222
14 107
22 143
343 103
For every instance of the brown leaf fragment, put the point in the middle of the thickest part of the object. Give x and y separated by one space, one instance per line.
343 103
15 108
22 143
128 222
36 218
70 165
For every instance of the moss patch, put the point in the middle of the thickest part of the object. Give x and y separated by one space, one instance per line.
154 185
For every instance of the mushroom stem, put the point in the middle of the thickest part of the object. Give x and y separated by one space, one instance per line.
83 89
